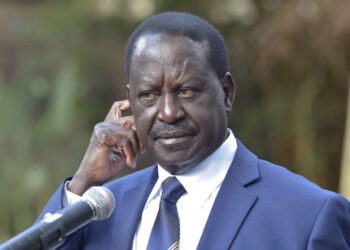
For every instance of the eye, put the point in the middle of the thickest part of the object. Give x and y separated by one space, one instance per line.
149 96
185 93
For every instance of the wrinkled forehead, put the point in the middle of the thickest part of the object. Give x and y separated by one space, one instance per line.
153 45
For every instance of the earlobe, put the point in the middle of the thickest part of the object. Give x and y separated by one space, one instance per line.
229 91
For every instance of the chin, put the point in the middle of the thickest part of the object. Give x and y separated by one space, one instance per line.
177 157
176 169
179 161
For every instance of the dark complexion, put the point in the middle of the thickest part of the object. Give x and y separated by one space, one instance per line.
178 102
179 112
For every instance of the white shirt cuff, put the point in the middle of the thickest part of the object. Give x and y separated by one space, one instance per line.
69 198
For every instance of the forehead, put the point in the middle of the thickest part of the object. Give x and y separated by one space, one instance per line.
162 57
163 47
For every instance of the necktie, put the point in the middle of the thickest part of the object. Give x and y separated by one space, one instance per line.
166 229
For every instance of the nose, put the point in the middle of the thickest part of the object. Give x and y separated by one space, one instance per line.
170 109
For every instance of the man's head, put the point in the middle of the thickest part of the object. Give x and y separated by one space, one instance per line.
178 96
187 25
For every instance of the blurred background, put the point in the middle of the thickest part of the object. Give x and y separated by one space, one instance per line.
61 68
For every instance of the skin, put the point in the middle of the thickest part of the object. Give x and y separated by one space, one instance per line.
179 111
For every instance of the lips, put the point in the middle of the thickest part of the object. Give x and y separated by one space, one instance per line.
176 140
174 134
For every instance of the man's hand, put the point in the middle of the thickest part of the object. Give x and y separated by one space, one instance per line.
113 145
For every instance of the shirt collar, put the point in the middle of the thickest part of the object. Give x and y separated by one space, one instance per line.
204 178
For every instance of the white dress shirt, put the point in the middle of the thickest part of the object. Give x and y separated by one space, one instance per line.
202 184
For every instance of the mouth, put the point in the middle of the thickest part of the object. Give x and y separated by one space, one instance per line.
176 138
174 134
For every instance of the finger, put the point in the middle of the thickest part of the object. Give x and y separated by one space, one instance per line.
130 134
125 128
130 156
113 137
126 122
126 147
116 110
116 143
142 148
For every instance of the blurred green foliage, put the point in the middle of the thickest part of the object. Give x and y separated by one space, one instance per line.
61 68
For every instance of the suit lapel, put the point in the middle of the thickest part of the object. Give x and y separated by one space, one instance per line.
130 212
233 202
232 205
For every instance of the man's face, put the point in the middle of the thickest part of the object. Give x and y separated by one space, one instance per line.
178 102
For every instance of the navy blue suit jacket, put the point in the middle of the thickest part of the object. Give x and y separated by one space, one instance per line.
259 206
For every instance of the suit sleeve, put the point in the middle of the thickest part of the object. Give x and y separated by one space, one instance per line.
75 240
332 226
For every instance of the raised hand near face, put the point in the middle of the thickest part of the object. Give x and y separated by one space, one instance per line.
113 145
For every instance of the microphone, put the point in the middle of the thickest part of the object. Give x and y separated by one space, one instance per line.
98 203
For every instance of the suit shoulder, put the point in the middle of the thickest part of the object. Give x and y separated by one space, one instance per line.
285 182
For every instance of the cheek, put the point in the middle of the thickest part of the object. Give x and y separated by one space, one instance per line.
209 116
144 118
203 110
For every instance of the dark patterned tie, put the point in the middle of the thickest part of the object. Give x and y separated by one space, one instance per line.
166 229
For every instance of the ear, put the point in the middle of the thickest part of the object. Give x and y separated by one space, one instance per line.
229 91
128 91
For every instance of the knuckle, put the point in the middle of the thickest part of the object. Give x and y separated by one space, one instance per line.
116 104
98 126
100 131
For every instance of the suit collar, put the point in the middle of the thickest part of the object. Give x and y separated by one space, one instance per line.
201 181
231 207
233 202
244 166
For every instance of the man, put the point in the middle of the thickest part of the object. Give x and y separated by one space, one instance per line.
180 92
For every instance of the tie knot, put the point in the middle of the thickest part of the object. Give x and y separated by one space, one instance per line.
172 190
